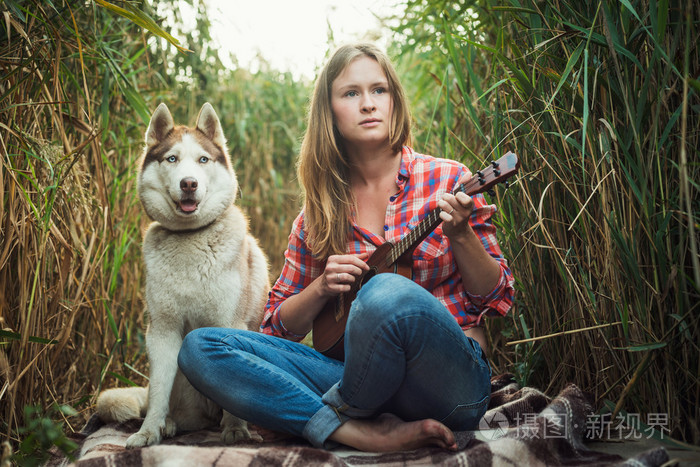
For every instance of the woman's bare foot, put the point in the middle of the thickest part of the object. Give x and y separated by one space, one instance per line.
389 433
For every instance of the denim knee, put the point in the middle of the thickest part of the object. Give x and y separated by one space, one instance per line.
190 350
385 291
389 292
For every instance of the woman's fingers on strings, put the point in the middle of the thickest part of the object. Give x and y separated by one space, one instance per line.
342 271
352 260
464 199
466 204
360 261
348 274
453 206
465 177
446 204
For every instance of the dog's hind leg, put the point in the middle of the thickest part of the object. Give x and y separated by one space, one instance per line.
162 355
236 429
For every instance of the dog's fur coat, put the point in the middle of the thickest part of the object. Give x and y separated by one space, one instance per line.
202 269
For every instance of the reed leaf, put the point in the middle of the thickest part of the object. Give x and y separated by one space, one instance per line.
594 97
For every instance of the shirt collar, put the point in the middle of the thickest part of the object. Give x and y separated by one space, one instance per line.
407 158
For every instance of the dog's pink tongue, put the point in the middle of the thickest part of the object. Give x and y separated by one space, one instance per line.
188 205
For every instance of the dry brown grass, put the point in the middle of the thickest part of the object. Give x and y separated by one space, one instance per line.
77 85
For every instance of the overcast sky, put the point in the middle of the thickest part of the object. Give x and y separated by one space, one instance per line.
293 34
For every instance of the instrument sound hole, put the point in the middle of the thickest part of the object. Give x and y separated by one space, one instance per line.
370 274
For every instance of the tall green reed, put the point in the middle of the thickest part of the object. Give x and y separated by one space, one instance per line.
600 100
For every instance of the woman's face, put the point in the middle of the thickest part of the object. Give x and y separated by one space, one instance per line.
362 104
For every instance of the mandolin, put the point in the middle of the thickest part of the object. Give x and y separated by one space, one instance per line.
329 325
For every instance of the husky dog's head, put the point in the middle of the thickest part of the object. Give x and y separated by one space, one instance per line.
186 180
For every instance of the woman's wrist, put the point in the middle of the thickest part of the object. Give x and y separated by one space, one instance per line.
480 272
464 237
300 310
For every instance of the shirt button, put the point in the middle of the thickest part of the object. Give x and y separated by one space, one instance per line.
392 198
386 228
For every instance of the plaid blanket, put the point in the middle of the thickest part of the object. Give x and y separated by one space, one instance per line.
521 427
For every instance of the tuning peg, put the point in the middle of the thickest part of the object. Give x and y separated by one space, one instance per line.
507 184
491 192
494 164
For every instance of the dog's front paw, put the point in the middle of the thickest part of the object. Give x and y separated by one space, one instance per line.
143 438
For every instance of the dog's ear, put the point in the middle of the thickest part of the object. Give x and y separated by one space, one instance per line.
160 125
208 123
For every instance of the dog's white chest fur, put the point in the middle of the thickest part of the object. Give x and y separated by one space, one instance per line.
198 273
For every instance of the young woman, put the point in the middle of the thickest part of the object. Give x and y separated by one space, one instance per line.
414 366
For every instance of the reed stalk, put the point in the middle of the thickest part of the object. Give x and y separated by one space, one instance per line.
600 101
79 81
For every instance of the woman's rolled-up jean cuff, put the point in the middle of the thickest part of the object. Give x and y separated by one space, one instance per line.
332 398
322 424
334 413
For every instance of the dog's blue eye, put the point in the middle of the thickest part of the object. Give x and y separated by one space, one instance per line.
204 159
171 159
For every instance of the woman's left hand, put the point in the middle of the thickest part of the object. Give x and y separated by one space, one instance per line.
456 211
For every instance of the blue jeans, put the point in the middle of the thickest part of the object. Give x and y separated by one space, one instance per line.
404 354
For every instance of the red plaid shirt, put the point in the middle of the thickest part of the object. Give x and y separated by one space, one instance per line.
421 180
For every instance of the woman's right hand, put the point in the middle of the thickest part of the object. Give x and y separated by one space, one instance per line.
299 311
341 272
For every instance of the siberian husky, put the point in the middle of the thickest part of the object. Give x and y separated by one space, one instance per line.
202 269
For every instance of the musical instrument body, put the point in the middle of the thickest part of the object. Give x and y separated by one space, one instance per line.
329 325
330 322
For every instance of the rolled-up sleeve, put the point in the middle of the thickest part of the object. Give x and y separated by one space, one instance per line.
499 301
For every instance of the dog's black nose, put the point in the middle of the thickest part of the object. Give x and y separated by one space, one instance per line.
188 185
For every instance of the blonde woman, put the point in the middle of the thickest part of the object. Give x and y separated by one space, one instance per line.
415 366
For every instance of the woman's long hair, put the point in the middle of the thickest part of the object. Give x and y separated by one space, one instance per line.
323 167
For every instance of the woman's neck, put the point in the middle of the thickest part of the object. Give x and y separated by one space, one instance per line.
373 182
371 167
